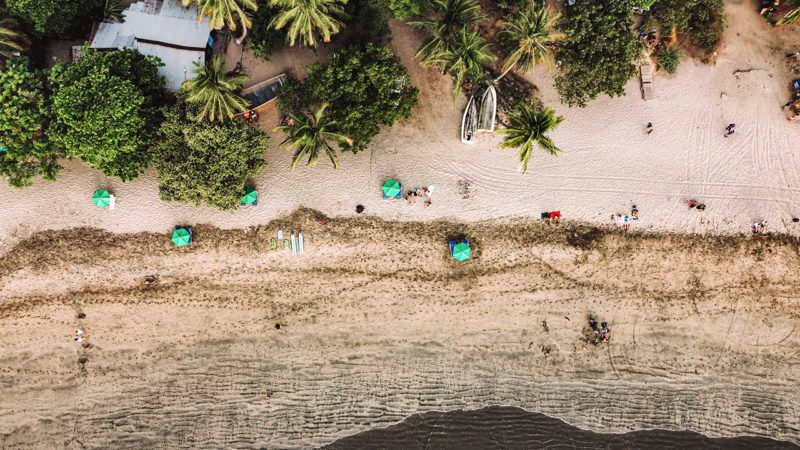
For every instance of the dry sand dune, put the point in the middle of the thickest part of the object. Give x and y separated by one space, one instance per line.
379 323
608 163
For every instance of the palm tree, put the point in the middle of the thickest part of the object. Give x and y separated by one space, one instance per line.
216 91
464 59
531 34
793 15
451 16
309 134
11 40
225 12
528 127
305 19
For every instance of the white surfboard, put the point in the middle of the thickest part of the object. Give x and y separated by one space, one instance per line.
294 245
301 243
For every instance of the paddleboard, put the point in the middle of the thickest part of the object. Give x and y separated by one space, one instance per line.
294 244
280 234
302 243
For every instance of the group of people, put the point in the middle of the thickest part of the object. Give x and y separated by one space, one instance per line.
623 220
601 332
698 206
250 116
413 194
760 227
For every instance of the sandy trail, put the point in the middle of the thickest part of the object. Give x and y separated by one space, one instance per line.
608 163
379 323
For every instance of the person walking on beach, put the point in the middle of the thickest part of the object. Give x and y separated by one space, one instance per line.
730 129
649 127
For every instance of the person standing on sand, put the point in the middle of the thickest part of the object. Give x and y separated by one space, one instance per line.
649 127
729 130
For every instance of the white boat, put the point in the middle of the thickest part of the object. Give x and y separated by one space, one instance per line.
469 123
488 110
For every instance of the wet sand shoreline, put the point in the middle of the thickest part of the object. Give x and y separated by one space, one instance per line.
379 323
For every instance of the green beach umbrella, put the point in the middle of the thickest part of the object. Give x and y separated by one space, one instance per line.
181 237
391 188
250 196
101 198
461 251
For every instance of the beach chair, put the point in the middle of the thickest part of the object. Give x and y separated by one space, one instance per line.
545 215
273 243
452 246
555 214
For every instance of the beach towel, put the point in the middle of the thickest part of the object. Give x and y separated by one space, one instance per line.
545 215
554 214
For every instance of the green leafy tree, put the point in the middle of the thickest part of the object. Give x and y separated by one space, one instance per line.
51 17
312 134
106 107
406 9
793 15
529 37
263 39
450 18
304 20
206 162
599 53
24 116
464 60
527 129
230 13
216 91
703 21
366 87
669 59
12 39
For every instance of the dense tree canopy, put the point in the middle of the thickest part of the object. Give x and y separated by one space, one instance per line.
24 115
599 53
365 86
106 107
206 162
703 21
50 17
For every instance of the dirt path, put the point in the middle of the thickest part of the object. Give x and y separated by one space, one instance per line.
378 323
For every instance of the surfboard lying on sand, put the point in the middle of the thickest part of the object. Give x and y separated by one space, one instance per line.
301 243
294 245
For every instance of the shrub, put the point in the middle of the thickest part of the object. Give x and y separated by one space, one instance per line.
50 17
24 116
599 53
106 107
261 38
669 59
407 9
703 21
206 162
366 87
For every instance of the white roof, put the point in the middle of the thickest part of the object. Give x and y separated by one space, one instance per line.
168 31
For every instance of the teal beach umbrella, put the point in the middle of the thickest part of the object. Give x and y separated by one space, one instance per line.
461 251
181 236
101 198
250 196
391 188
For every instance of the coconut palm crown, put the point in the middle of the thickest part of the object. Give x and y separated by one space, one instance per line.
312 134
793 15
11 39
216 91
220 13
528 128
304 20
531 35
451 17
464 60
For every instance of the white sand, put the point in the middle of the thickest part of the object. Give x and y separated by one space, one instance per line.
608 162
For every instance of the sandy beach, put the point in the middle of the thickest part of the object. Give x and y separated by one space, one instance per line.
608 163
377 323
180 348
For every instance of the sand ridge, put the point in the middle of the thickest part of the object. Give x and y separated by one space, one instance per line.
378 323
